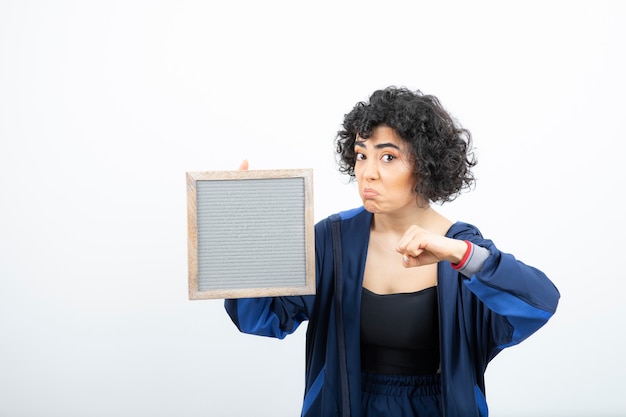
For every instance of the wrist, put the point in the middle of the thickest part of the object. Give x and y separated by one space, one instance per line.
461 260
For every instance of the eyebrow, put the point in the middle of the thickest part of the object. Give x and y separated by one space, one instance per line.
361 143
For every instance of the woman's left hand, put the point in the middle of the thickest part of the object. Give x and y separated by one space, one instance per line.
421 247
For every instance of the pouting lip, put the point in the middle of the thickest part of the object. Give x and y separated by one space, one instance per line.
369 193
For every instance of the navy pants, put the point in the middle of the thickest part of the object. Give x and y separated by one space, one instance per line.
401 396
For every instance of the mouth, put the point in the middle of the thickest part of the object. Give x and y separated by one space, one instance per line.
369 193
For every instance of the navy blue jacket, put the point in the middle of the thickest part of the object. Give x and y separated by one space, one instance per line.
495 308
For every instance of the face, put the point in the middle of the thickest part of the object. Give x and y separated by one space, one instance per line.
384 172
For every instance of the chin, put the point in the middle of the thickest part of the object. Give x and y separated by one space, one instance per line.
371 207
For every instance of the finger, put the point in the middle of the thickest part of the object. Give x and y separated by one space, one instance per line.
412 248
409 261
244 165
406 239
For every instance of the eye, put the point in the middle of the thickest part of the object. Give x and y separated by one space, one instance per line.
388 158
360 156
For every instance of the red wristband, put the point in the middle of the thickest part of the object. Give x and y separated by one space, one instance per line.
465 257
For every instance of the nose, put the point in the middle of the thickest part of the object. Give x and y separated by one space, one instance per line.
370 169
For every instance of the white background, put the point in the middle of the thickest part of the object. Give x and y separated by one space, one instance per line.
104 105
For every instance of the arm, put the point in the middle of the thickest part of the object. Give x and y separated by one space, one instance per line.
268 316
510 288
520 293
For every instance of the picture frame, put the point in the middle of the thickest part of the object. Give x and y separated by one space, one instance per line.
250 233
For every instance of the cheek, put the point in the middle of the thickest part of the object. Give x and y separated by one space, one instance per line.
408 183
357 171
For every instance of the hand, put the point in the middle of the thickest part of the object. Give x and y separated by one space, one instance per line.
421 247
244 165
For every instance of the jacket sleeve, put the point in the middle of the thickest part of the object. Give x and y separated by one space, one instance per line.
521 293
268 316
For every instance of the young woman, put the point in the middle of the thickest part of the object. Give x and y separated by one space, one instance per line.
410 307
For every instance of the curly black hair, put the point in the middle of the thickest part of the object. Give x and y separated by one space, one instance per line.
440 147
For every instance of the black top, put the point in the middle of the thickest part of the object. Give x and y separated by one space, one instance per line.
400 332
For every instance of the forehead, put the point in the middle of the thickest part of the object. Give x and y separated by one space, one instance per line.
382 135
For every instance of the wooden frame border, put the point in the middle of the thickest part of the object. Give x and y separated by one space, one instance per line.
192 242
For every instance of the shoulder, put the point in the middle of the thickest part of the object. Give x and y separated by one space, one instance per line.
357 214
467 231
350 220
462 230
354 226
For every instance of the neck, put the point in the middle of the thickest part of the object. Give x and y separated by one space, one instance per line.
399 222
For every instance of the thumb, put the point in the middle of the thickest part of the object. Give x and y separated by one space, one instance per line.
409 261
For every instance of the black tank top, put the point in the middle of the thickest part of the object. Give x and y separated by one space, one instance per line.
400 332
